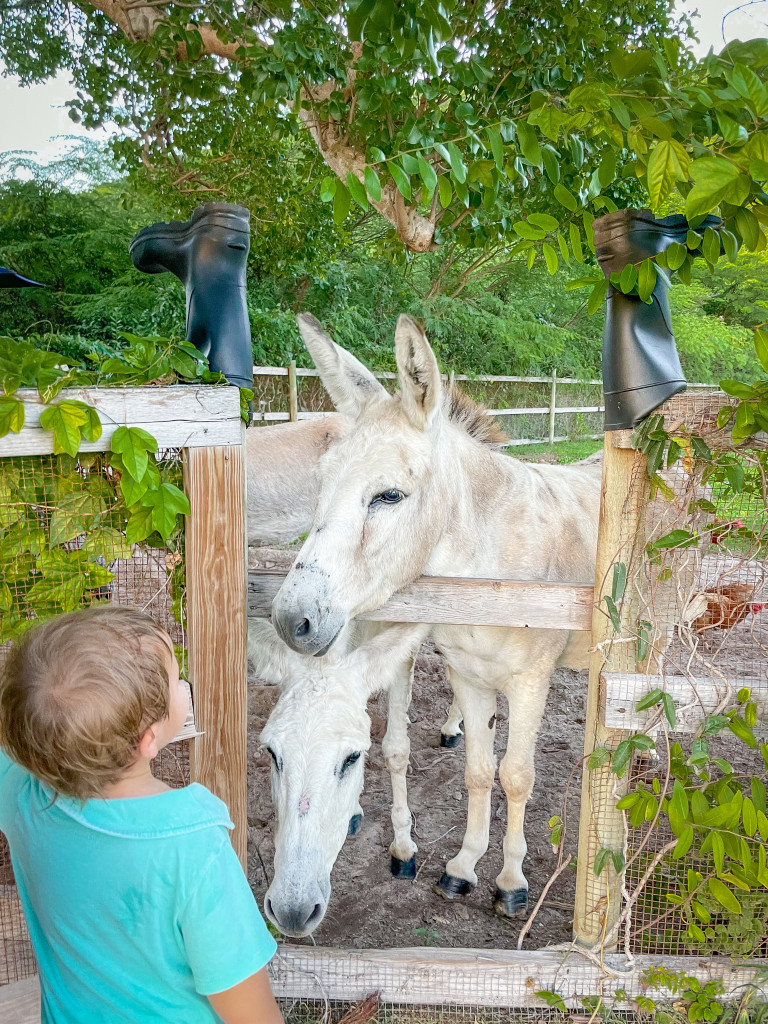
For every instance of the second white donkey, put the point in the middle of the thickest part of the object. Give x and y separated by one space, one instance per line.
317 736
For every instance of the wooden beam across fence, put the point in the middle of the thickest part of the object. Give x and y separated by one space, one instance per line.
460 602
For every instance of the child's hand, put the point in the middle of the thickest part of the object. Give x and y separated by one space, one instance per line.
250 1002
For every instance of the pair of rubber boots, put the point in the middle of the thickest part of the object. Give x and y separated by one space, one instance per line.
208 253
641 367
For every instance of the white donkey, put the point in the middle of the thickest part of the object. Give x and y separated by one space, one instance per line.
410 488
317 735
283 484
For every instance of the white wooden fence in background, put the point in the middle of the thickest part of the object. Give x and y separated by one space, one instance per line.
551 410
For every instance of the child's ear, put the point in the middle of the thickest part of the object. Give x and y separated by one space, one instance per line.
147 746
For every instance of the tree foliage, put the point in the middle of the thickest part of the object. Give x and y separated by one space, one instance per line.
504 124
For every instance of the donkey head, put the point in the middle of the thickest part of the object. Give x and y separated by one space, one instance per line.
381 507
317 737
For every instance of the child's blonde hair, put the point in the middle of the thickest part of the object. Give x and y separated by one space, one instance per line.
78 691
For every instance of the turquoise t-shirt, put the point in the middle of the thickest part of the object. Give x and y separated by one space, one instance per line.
137 908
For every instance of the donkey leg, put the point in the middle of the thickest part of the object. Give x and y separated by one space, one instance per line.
450 734
396 747
479 708
517 774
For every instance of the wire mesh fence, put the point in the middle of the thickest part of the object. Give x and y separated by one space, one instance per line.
692 590
63 547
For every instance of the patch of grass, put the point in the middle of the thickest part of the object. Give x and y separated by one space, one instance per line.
566 451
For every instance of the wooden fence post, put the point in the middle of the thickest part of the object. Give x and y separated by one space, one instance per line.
215 543
293 392
623 498
552 407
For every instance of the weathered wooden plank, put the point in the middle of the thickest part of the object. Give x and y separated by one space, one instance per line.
694 699
468 602
623 493
181 416
460 977
479 977
214 480
20 1002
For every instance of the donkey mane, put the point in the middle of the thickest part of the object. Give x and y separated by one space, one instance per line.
473 418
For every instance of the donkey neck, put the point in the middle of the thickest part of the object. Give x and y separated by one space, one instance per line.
481 490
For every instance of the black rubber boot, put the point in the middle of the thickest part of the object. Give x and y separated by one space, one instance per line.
641 367
208 253
10 279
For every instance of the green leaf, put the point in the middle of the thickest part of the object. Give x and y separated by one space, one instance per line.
458 167
749 817
718 851
566 198
711 246
529 143
550 258
675 539
716 180
11 415
357 191
563 247
676 254
166 503
132 444
668 163
651 699
683 844
575 240
618 581
372 184
613 612
740 728
401 180
107 543
445 191
497 147
526 229
597 297
598 757
544 221
669 709
552 999
67 420
139 525
761 348
749 229
620 759
341 203
646 280
724 896
428 176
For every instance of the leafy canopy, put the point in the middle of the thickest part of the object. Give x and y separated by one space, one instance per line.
485 124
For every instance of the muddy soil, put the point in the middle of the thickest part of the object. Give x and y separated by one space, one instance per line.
368 907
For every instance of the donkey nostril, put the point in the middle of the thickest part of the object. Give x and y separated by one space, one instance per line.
302 629
268 907
316 913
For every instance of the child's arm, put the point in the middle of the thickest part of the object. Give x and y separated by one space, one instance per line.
250 1002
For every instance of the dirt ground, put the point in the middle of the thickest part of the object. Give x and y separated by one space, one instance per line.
369 908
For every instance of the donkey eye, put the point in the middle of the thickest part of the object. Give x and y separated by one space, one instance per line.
349 761
388 497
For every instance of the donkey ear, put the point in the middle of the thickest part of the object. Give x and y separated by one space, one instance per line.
420 384
350 384
380 661
271 658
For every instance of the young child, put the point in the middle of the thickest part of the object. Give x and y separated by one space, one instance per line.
137 905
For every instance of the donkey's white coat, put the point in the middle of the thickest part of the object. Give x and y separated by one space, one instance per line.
317 735
409 489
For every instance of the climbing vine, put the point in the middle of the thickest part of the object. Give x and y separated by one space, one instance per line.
66 518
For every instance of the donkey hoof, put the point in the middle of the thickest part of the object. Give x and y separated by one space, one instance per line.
402 868
355 824
450 887
510 902
450 741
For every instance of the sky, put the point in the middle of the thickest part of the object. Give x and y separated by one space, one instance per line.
35 119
